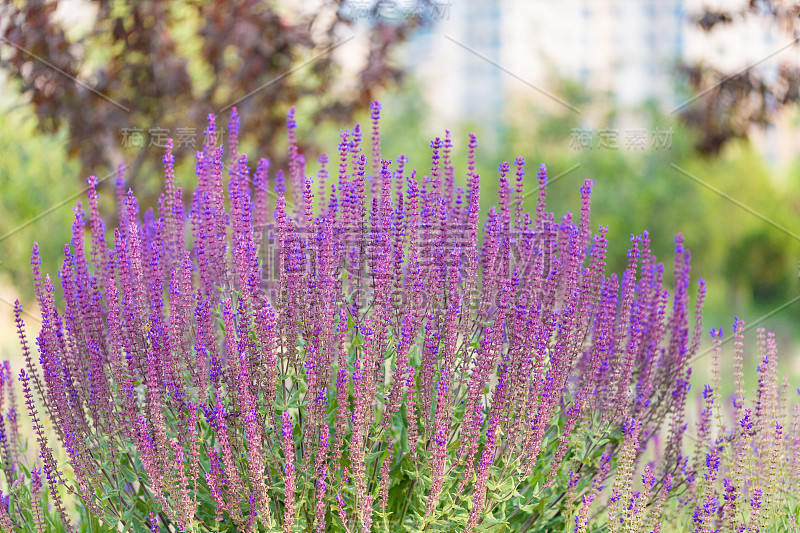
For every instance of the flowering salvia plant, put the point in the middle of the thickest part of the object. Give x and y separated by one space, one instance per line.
355 354
744 474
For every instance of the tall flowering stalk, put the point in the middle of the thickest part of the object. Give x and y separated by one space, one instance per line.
743 475
375 356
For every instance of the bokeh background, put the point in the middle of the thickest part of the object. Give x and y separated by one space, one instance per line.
684 112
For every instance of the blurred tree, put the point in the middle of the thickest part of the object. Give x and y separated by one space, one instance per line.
728 105
761 262
152 69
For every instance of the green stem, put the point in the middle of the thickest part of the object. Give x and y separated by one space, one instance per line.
408 499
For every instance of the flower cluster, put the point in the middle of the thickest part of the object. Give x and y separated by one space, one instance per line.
744 474
188 397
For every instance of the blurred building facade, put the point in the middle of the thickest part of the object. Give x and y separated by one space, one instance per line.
481 55
472 60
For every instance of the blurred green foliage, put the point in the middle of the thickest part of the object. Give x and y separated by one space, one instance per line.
36 180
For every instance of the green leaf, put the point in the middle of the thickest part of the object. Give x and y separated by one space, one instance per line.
489 522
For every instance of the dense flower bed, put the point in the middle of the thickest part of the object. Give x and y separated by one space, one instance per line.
371 358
